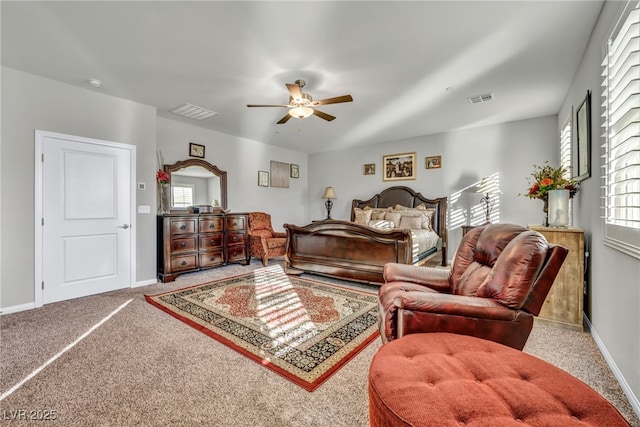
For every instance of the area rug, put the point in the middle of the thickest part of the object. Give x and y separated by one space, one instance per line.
303 329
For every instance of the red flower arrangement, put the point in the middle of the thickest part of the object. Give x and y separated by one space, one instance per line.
162 177
547 178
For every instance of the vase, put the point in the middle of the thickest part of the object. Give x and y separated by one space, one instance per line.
164 204
558 208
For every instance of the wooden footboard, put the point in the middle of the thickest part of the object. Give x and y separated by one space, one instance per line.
345 250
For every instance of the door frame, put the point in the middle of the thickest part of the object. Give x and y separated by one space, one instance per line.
40 135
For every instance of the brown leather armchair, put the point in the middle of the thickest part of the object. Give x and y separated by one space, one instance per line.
499 279
264 243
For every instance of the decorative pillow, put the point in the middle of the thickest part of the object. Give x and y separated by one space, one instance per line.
421 207
427 219
394 217
376 213
362 216
381 224
410 222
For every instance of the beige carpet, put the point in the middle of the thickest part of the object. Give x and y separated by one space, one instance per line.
142 367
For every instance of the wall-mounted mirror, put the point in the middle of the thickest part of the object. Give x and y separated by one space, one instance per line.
197 182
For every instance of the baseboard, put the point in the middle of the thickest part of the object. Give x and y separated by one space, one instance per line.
145 283
17 308
633 399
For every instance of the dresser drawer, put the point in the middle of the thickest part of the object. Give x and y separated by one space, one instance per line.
211 241
210 225
184 262
236 253
183 244
236 222
235 238
211 259
183 226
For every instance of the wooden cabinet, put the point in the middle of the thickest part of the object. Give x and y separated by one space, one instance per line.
193 242
564 303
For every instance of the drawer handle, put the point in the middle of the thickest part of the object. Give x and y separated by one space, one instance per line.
182 227
234 238
212 258
184 263
210 225
213 242
183 245
235 223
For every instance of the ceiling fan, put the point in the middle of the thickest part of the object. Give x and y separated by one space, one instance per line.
302 105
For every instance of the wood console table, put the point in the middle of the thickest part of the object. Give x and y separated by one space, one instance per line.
193 242
564 303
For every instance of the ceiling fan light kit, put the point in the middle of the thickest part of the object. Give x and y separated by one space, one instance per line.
301 105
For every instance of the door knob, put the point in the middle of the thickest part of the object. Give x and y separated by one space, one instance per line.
125 226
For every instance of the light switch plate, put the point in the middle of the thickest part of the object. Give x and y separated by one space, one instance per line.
144 209
142 186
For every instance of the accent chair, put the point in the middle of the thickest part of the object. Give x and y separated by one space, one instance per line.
499 279
264 242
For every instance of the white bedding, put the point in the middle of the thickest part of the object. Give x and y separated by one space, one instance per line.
423 240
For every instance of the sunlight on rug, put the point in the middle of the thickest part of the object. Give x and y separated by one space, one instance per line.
303 329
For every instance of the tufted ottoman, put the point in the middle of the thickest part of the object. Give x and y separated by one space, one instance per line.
442 379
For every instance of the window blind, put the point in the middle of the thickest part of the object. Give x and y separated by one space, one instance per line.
182 196
621 137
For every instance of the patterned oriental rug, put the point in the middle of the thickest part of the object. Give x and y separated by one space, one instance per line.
303 329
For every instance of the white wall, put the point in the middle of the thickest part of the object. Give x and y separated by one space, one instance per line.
509 150
242 159
30 103
613 289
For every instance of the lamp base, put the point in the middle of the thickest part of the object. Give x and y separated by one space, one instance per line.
328 204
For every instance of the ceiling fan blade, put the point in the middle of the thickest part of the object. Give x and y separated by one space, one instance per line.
294 90
327 117
267 105
284 119
336 100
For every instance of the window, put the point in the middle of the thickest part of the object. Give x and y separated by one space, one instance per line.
621 138
565 145
181 195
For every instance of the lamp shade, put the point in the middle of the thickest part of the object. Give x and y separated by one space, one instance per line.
488 186
329 193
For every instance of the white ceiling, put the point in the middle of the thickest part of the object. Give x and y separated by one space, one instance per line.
409 66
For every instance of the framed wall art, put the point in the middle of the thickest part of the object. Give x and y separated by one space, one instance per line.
370 169
583 139
434 162
279 174
294 171
196 150
263 178
399 166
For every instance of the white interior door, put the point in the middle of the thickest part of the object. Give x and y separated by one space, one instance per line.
86 217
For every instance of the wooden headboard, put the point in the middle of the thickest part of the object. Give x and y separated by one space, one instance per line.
405 196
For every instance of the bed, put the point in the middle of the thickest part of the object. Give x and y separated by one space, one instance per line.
358 249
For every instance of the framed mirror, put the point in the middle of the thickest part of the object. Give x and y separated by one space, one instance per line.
197 182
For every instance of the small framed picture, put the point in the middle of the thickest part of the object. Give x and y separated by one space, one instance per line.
370 169
434 162
196 150
399 166
294 171
263 178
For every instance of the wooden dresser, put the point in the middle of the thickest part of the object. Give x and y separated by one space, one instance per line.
564 303
193 242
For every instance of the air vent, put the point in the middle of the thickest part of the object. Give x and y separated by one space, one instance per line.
193 112
481 98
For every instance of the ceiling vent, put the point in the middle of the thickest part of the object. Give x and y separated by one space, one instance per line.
193 112
481 98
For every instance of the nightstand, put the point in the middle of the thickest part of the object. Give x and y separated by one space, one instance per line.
564 303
